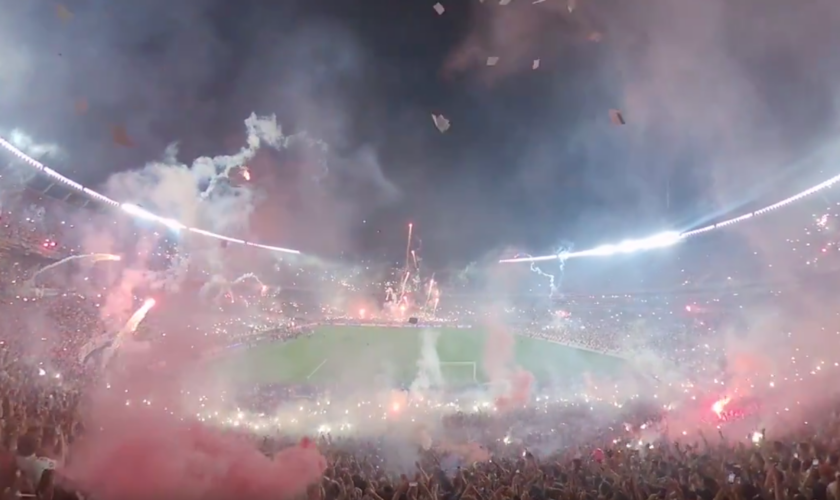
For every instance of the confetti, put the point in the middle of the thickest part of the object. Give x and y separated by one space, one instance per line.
535 64
504 2
571 5
63 12
439 9
616 117
120 136
441 122
492 60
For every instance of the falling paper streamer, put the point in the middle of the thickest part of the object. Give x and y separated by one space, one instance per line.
616 117
441 122
63 12
492 60
120 136
536 64
439 9
535 2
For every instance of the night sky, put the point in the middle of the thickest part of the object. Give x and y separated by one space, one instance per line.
723 102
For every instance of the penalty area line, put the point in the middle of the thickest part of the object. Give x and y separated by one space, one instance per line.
313 372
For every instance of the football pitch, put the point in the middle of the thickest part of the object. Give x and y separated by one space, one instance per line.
335 353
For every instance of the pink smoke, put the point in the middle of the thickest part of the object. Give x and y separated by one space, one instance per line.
147 454
136 450
520 390
512 383
469 452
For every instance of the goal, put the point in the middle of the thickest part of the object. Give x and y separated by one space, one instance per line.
459 372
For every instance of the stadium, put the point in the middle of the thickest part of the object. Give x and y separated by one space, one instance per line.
314 377
429 379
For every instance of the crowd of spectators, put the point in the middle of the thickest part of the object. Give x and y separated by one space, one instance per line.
528 452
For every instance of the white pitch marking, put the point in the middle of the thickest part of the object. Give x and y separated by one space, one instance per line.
316 369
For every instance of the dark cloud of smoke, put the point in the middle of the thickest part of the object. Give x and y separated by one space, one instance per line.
721 100
128 64
156 71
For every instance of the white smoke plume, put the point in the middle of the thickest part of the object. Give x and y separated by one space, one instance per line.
196 195
39 151
429 375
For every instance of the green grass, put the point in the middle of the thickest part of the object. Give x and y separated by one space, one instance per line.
359 354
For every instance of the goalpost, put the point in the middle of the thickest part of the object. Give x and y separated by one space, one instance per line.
459 371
